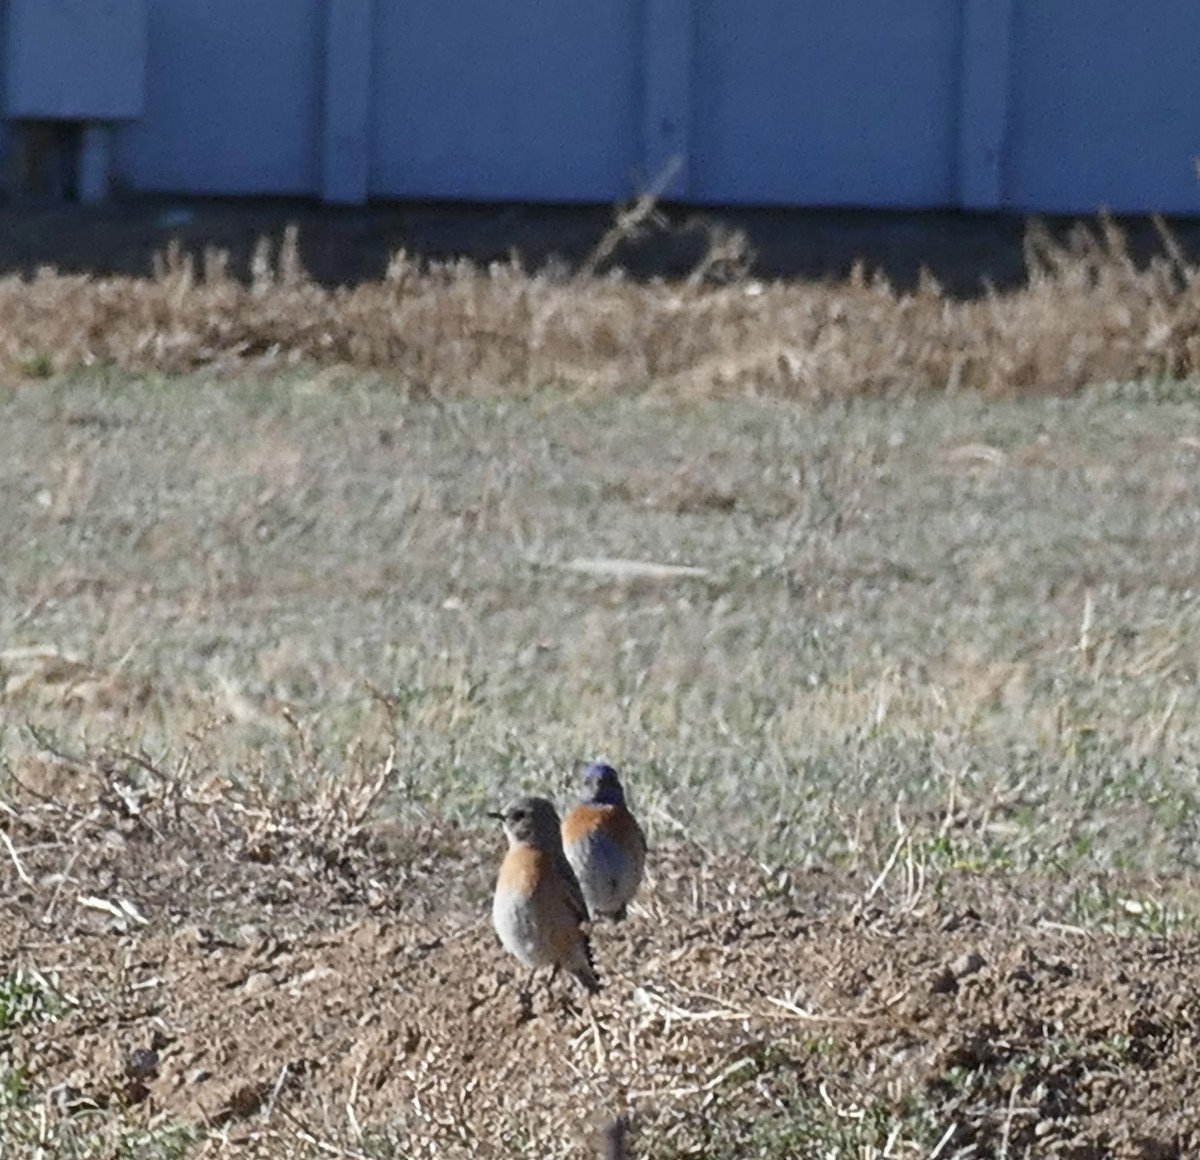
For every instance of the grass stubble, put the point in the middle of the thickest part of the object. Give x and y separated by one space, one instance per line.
932 633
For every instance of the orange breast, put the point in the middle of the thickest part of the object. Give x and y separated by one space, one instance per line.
583 821
521 870
615 822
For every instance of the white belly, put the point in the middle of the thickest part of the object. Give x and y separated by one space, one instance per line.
516 924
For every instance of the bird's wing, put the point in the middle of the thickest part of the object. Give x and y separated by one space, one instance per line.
571 888
631 835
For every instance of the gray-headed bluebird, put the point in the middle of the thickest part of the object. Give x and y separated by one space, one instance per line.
538 910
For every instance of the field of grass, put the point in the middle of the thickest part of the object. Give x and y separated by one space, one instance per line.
983 611
929 655
886 603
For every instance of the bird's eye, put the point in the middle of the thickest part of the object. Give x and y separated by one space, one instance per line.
517 815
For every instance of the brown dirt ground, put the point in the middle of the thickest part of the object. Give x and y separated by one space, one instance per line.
286 974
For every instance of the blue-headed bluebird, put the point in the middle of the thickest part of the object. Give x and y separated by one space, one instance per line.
539 910
604 844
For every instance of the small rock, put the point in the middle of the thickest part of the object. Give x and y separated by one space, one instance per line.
141 1063
198 1075
957 918
246 1100
945 982
313 975
967 964
252 936
257 981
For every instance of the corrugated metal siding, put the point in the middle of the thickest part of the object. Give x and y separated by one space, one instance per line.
1105 106
1027 104
855 104
525 99
233 99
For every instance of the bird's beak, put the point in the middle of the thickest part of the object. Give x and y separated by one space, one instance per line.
495 814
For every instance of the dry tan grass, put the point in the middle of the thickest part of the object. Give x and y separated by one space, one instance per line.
1087 313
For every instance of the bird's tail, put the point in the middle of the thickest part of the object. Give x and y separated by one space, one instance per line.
585 971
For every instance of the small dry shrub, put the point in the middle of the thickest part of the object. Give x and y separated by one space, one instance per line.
1087 312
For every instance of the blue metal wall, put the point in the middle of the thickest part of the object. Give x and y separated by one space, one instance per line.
1025 104
233 98
1105 108
524 99
848 102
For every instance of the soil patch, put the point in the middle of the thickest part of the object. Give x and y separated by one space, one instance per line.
259 980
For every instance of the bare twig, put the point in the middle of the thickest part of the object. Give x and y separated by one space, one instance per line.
630 221
12 853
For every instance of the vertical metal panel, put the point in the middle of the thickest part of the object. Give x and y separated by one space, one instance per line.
983 117
667 96
75 59
527 99
347 81
1105 106
95 147
838 102
232 99
8 167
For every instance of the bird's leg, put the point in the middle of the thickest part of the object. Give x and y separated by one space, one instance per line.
564 1001
597 1038
525 995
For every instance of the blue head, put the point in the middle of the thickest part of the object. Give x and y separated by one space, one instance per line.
602 786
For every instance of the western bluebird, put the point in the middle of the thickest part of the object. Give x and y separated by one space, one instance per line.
538 909
604 844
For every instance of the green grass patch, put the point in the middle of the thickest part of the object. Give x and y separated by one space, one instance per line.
967 626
